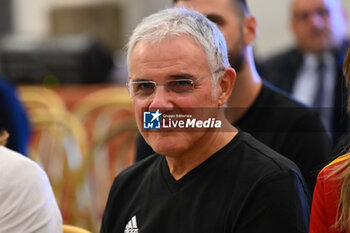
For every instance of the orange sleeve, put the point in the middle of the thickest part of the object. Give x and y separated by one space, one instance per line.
318 219
325 199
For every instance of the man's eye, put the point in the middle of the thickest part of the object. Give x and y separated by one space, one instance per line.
145 86
180 86
180 83
218 20
184 82
322 12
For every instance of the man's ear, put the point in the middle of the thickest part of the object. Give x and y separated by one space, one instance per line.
249 29
225 86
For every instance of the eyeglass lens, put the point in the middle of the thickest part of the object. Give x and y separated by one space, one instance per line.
145 88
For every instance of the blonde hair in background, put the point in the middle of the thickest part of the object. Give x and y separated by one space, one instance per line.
3 137
342 172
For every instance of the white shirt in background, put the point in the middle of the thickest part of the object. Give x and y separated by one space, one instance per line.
306 84
27 202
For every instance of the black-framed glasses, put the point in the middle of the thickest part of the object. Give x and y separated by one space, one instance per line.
145 88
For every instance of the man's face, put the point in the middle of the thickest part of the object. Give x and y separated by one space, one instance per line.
223 14
172 58
318 25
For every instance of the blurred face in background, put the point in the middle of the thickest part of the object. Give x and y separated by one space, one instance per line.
223 14
318 25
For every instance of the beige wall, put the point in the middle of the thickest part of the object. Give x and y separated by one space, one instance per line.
30 18
274 32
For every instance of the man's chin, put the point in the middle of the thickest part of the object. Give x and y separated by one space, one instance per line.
167 149
318 45
163 143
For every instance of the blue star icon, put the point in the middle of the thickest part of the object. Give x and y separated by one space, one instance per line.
156 115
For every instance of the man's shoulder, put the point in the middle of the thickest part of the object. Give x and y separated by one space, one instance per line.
284 57
260 165
280 68
11 162
284 104
283 114
263 157
26 187
276 97
136 172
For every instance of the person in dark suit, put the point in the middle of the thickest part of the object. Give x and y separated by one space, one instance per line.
312 70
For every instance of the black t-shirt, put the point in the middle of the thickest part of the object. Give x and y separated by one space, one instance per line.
244 187
284 125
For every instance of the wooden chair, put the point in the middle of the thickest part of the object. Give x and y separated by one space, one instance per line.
82 150
74 229
58 143
109 119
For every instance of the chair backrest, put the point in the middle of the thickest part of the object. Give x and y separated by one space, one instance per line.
111 128
43 98
81 150
58 143
74 229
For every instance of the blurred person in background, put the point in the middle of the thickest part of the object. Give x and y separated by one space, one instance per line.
256 106
331 202
27 202
312 70
13 118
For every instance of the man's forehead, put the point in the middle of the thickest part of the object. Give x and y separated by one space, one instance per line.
179 39
170 52
309 5
212 5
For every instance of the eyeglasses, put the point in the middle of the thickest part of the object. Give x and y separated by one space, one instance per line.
322 12
145 88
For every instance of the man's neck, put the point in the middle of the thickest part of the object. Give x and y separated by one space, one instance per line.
247 88
206 146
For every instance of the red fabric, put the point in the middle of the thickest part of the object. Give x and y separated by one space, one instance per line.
325 200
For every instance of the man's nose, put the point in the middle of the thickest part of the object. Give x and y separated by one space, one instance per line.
161 99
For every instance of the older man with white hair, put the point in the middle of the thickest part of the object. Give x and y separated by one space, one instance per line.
214 178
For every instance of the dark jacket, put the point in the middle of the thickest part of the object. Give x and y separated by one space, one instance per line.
13 118
282 69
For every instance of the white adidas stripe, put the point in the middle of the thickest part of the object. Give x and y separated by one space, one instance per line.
134 224
131 227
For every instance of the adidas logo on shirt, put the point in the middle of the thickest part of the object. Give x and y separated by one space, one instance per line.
131 227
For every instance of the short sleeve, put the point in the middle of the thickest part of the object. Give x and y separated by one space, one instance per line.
279 204
318 223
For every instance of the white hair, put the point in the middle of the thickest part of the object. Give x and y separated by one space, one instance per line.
180 22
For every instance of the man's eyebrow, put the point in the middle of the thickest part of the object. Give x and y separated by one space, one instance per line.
181 76
139 79
215 18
